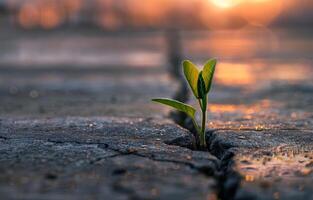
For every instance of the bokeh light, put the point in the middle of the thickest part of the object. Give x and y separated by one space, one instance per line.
109 14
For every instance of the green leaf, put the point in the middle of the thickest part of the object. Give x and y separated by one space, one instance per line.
208 73
201 86
189 110
191 73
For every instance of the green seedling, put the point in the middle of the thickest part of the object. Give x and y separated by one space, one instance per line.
200 83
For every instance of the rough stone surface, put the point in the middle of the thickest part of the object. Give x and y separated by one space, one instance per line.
275 164
260 117
270 133
86 93
118 158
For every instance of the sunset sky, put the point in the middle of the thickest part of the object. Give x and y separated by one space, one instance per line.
213 14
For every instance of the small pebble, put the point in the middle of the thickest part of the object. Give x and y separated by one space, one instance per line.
241 137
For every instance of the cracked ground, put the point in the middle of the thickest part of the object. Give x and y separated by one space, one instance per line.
78 132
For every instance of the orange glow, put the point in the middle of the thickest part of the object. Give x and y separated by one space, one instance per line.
249 178
255 12
242 43
108 20
225 3
45 13
248 75
281 163
214 14
222 108
28 16
234 74
151 12
72 6
246 109
260 12
287 72
50 17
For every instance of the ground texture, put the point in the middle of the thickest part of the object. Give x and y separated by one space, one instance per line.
92 133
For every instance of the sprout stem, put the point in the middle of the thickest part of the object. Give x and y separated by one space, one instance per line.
203 105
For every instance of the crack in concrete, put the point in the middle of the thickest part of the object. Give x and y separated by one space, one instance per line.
204 169
226 177
120 152
4 138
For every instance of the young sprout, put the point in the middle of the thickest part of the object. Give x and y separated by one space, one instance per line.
200 84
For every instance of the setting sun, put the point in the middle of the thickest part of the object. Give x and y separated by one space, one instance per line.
225 3
232 3
250 11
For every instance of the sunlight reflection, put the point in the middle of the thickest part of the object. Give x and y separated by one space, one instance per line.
287 163
241 74
242 108
234 74
246 42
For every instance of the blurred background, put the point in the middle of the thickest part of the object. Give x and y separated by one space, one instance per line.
155 14
109 57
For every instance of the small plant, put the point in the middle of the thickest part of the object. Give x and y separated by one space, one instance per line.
200 84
